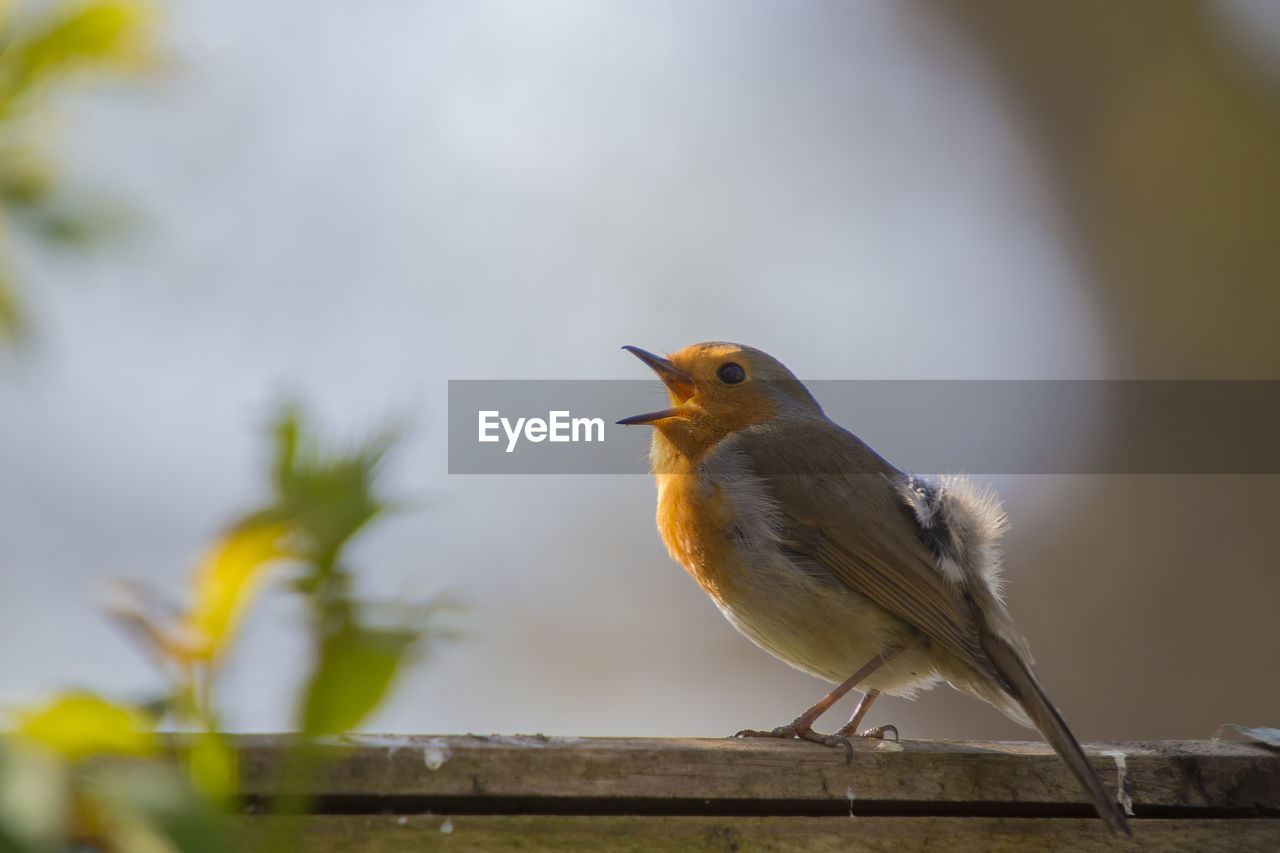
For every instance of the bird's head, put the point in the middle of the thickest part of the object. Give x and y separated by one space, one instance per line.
717 388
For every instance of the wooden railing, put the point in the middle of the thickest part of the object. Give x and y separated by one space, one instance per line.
374 793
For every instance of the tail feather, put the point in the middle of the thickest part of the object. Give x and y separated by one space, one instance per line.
1023 686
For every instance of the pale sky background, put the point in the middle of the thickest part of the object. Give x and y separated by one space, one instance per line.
351 203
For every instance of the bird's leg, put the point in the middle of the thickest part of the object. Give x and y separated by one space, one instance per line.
850 729
802 726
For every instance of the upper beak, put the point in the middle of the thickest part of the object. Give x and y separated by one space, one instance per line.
679 383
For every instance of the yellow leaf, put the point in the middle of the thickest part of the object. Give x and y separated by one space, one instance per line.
113 34
225 584
77 725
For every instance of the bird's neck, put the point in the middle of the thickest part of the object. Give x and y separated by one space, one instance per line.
666 458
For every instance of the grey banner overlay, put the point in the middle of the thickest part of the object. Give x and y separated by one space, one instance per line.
923 426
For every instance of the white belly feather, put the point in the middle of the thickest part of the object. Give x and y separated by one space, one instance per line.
796 610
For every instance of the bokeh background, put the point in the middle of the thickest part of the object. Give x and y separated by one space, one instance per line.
349 204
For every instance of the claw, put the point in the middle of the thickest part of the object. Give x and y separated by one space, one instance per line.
876 732
829 740
791 730
880 731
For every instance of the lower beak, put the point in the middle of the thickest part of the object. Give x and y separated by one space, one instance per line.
679 384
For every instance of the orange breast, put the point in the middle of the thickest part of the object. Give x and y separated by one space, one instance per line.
694 522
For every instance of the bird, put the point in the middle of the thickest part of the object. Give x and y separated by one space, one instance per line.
828 557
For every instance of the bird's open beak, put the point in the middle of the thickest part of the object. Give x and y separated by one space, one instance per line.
679 384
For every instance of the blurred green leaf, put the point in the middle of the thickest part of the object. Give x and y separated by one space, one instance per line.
61 39
214 768
149 805
74 221
75 34
329 497
53 214
354 673
25 179
34 802
10 316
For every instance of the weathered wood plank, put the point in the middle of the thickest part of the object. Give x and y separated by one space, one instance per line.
719 776
613 834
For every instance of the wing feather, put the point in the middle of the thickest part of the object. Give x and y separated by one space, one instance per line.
840 506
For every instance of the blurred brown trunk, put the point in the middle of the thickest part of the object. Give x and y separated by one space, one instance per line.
1165 145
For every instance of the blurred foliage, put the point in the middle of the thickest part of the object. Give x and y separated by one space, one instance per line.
85 770
325 499
39 53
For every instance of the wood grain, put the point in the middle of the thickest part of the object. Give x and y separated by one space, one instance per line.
612 834
540 775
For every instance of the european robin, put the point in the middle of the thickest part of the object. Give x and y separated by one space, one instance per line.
831 559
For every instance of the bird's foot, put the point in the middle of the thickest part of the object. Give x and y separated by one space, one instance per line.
876 732
804 732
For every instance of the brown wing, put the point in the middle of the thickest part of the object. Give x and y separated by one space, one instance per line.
841 509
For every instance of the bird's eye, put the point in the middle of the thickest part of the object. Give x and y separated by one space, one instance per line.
731 373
